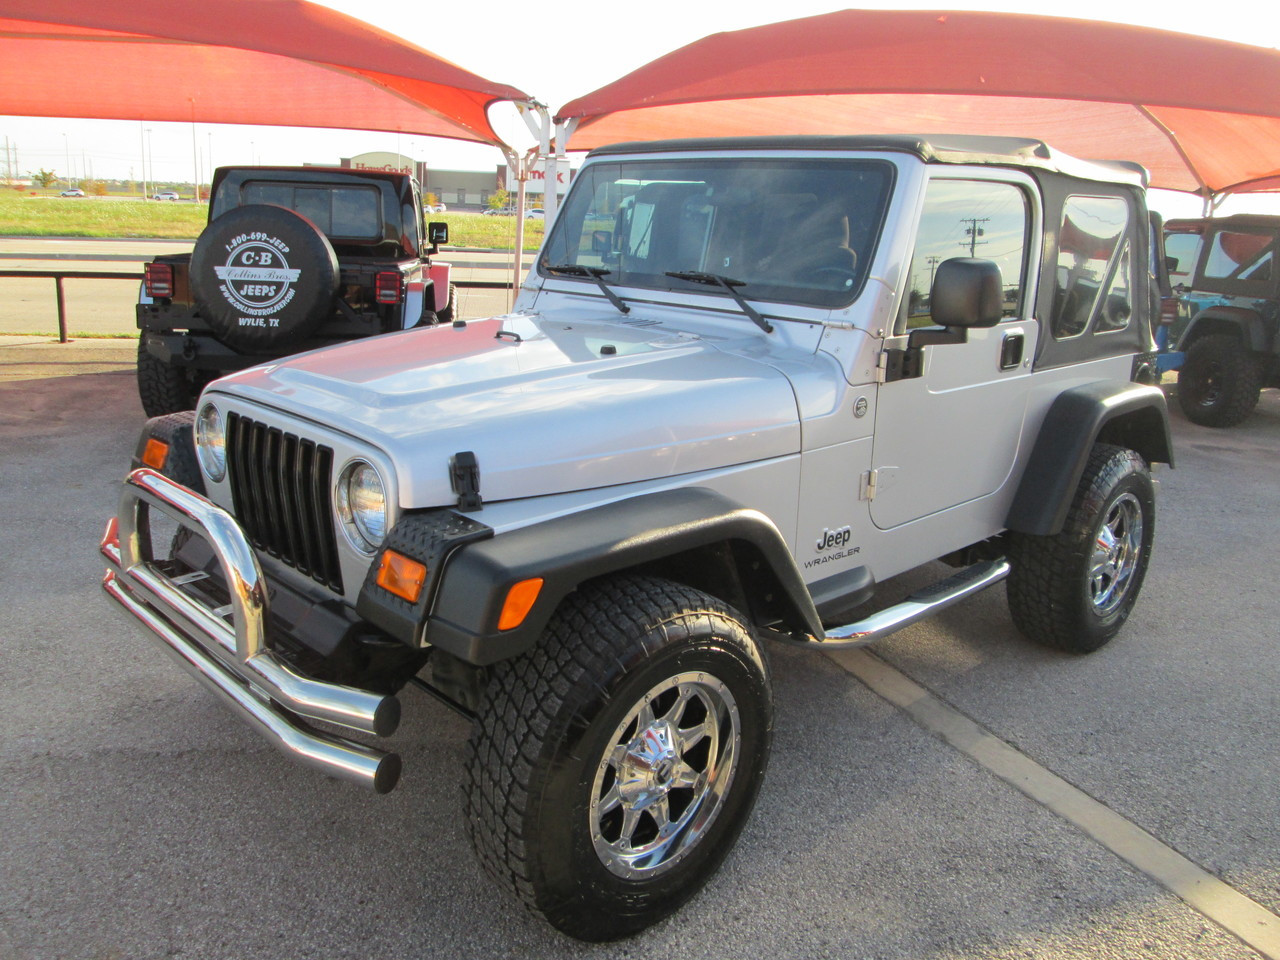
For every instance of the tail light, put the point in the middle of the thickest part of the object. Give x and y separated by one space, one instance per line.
1169 309
388 287
158 280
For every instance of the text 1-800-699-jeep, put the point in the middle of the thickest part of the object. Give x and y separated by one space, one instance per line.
293 258
1224 337
747 381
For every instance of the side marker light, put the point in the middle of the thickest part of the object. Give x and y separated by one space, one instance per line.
519 602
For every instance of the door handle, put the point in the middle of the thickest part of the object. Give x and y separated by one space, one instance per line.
1011 351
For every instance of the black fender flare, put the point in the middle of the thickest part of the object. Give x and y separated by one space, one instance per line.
1220 318
181 464
1129 414
638 533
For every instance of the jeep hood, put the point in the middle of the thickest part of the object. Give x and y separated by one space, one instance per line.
546 406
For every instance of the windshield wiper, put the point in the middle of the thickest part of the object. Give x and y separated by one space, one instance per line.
591 273
715 280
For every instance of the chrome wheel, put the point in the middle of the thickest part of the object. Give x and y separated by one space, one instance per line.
664 776
1117 552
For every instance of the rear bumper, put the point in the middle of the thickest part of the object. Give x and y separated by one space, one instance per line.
224 648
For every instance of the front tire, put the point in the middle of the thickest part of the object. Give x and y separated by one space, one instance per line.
612 767
1074 590
1219 383
449 312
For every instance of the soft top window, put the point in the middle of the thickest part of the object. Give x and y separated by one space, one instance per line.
1090 241
792 230
347 212
1241 262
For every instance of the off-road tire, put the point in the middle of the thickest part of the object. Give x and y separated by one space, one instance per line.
449 312
550 732
1074 590
1219 383
162 387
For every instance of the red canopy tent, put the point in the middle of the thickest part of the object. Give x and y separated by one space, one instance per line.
282 62
1202 115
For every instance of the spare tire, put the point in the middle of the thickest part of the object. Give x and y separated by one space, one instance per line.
264 277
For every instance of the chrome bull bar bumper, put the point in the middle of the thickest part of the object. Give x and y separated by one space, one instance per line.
232 659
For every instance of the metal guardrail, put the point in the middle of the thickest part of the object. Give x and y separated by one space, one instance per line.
59 275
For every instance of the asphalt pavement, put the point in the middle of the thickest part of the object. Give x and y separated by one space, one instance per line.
955 793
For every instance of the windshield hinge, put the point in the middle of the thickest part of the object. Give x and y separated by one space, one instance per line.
867 485
882 367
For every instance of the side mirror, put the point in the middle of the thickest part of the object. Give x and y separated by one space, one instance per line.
601 242
437 232
967 292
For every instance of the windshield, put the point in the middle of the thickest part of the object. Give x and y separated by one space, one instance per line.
790 230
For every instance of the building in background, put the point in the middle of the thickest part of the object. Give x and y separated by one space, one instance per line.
456 189
461 189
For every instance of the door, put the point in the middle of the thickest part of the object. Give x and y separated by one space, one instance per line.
947 433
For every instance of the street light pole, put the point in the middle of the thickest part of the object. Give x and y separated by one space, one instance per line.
195 153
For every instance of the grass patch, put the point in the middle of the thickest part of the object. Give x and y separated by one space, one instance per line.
23 215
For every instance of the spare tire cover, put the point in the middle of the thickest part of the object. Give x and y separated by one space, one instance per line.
263 276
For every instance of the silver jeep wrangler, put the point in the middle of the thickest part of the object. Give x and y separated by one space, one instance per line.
747 381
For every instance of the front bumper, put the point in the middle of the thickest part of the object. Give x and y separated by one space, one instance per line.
224 648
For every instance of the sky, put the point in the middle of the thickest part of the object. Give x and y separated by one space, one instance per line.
553 52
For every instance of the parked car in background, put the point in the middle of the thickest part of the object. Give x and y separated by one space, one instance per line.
72 192
436 208
165 195
500 212
1224 337
535 213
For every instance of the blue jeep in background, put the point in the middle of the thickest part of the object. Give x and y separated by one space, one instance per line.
1224 339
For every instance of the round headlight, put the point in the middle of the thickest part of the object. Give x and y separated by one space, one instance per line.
211 442
362 506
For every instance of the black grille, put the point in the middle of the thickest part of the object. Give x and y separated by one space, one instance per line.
280 484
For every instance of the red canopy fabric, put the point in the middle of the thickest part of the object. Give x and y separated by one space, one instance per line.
1202 115
283 62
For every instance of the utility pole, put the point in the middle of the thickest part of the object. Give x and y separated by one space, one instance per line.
973 232
933 267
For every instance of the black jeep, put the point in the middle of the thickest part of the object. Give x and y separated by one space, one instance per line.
293 258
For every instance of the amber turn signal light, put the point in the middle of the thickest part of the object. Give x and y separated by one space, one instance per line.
519 602
155 453
401 575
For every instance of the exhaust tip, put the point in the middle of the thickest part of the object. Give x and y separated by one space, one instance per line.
387 775
387 717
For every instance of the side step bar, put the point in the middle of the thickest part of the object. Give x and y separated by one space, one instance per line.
923 603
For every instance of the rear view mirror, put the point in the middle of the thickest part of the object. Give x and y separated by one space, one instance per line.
1171 264
967 292
601 242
